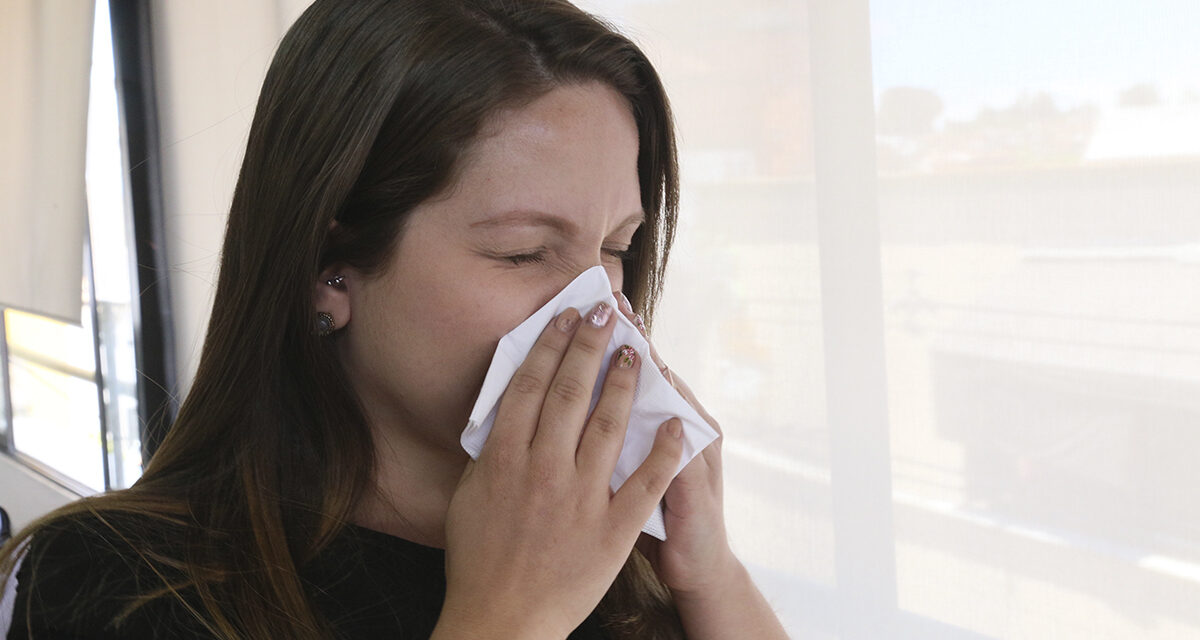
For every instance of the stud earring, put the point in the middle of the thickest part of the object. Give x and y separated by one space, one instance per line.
325 324
337 282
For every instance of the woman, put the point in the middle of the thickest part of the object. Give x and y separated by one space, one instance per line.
421 175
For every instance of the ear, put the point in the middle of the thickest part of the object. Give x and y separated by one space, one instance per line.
332 295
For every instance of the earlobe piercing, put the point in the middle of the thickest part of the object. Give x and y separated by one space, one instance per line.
337 282
325 324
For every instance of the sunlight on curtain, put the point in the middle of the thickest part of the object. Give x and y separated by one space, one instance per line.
45 50
1038 180
741 316
1039 195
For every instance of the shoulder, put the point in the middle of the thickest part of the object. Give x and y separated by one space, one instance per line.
82 573
107 546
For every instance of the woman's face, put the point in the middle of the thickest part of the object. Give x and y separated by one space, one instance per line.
548 191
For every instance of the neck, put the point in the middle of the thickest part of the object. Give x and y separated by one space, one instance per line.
411 489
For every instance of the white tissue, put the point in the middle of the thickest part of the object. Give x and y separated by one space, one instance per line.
654 401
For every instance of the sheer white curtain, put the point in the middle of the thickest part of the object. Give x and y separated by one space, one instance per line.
1039 202
45 58
937 276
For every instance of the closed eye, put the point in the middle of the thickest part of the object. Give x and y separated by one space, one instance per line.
622 254
539 256
527 258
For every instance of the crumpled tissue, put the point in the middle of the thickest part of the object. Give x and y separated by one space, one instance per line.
654 402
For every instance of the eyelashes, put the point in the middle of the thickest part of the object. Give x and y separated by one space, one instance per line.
539 256
527 258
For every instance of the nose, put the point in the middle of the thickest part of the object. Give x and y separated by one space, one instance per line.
615 278
614 273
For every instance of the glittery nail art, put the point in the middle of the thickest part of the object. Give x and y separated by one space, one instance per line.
600 315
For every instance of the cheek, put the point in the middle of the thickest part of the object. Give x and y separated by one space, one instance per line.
456 321
427 355
465 320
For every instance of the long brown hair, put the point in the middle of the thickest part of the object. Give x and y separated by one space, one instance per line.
366 111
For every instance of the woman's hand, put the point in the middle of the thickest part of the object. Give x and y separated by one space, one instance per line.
695 559
713 592
534 536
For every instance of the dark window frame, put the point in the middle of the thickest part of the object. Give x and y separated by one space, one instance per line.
154 335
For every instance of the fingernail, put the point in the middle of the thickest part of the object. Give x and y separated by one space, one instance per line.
626 305
675 428
639 323
566 320
600 315
625 357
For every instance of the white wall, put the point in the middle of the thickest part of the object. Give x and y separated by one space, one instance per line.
27 494
210 59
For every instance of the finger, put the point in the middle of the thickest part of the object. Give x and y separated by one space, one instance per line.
658 361
604 435
626 307
682 387
569 395
712 458
693 477
684 390
623 303
636 499
521 404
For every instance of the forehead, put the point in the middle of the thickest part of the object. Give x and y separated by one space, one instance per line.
571 153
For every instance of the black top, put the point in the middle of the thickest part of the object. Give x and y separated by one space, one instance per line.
366 584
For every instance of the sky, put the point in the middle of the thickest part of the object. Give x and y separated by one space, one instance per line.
987 52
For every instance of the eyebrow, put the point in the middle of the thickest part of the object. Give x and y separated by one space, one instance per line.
542 219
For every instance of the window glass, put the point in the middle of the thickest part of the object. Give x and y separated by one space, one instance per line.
55 405
60 417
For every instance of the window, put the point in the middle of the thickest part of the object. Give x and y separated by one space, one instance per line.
71 404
